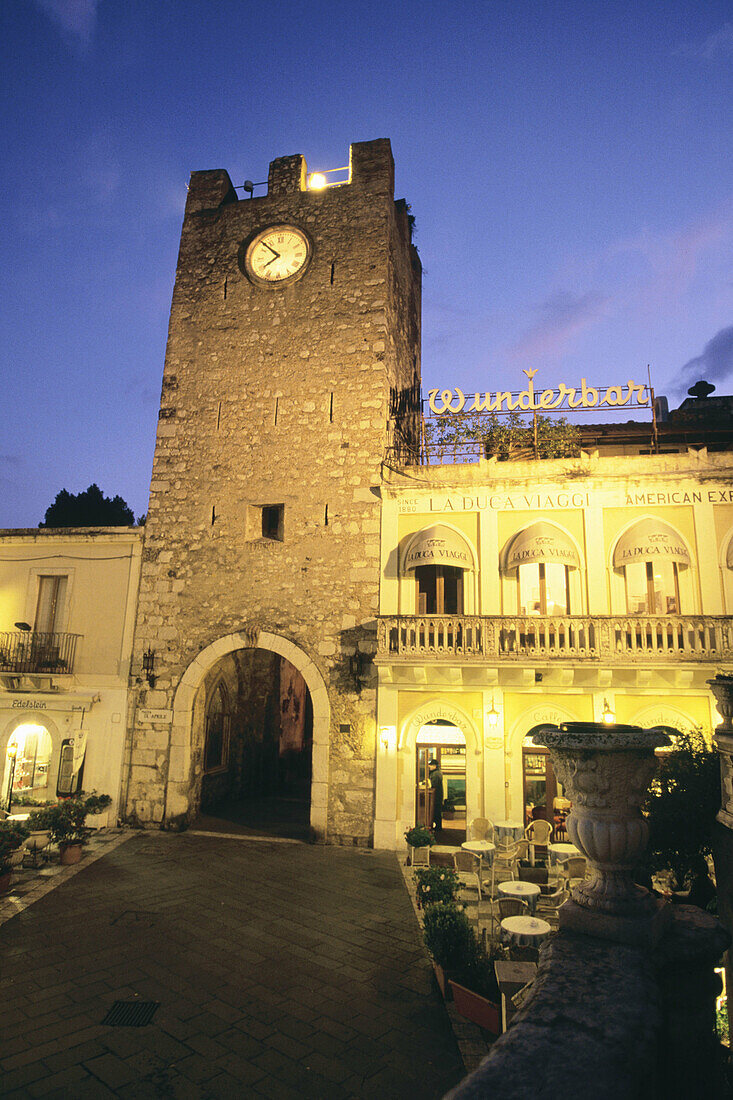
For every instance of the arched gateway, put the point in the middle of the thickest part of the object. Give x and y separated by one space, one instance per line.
190 716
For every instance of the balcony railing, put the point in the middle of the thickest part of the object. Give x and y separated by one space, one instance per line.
612 638
25 651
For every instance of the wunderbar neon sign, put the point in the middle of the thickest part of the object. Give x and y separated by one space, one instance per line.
447 402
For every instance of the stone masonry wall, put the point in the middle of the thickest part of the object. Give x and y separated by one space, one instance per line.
277 396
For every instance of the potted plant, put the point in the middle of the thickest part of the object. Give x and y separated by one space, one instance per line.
469 969
436 885
13 836
97 805
419 836
67 828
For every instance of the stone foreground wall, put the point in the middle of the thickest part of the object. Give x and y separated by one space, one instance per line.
276 396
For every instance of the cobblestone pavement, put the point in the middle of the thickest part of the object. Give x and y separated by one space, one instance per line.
281 970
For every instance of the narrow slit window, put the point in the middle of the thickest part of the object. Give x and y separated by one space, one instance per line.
277 405
330 409
273 522
333 273
325 516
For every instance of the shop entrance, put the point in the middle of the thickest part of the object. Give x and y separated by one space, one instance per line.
443 745
543 794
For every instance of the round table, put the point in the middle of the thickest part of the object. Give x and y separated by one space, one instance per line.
484 849
525 931
559 852
525 891
509 830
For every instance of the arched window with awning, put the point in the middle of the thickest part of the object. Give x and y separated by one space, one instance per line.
650 553
438 556
541 555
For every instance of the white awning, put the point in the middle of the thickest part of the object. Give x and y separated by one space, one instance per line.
438 545
541 542
648 540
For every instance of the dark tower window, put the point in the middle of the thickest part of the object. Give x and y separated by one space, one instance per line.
218 723
273 522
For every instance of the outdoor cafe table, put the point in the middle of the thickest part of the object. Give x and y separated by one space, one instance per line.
559 852
508 830
525 891
525 931
484 849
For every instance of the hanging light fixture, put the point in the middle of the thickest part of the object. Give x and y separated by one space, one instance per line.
609 717
492 714
149 666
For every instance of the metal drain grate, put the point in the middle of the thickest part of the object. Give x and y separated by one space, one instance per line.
131 1013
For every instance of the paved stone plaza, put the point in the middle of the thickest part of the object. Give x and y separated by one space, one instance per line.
281 970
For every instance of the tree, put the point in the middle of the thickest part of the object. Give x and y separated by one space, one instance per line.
682 804
88 509
508 436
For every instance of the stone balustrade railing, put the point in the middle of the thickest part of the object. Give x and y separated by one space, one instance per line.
511 637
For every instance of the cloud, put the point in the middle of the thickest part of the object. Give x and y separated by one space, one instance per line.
714 364
720 43
76 18
562 316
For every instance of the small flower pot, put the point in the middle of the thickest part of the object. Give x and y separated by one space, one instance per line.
476 1008
69 853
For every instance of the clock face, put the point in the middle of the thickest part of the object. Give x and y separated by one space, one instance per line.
277 255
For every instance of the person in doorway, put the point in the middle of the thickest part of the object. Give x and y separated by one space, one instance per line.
436 782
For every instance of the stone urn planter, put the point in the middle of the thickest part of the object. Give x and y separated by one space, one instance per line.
722 688
606 771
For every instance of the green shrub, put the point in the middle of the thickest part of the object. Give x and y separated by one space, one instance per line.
419 836
41 819
12 835
451 941
681 806
449 937
436 885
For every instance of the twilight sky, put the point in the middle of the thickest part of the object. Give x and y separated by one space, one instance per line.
568 164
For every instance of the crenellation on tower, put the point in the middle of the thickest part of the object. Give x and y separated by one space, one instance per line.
287 175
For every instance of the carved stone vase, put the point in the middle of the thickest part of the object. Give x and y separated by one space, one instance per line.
722 689
606 771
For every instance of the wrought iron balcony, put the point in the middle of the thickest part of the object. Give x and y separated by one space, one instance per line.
27 652
608 638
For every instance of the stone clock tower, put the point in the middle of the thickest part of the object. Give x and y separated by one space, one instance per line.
294 341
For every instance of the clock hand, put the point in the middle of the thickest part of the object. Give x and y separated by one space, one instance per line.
275 254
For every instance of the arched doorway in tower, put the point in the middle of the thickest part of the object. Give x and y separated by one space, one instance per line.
252 742
443 744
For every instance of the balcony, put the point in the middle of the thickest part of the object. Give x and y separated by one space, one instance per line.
26 652
605 638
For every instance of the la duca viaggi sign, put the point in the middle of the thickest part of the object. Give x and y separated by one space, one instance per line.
455 401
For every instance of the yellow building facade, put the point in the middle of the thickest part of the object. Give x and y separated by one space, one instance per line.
67 616
522 593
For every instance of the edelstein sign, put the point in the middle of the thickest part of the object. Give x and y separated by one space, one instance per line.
445 402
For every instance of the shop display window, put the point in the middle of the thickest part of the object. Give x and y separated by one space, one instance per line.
652 588
543 589
32 761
